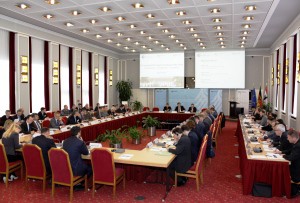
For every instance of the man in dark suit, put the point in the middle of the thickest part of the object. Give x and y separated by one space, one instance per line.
283 145
20 116
200 128
294 157
182 162
45 142
27 125
192 109
167 108
194 142
36 125
5 117
179 108
74 118
121 109
42 114
76 147
56 121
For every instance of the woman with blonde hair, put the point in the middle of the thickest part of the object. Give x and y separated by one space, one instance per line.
10 141
5 127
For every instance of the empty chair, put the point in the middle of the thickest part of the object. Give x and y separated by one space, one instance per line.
8 167
34 164
155 108
49 114
146 108
62 173
104 171
46 123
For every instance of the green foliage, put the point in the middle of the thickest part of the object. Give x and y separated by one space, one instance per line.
114 136
136 105
150 121
134 133
124 89
268 107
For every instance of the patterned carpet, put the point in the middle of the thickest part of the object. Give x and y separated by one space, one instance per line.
220 184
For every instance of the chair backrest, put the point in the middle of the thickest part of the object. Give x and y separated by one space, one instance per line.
203 109
34 161
49 114
155 108
60 165
202 154
103 165
64 119
46 123
146 108
3 159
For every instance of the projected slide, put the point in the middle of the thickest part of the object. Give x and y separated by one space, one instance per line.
162 70
220 69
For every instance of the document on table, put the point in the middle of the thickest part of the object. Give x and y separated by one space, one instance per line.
258 156
273 156
158 149
126 156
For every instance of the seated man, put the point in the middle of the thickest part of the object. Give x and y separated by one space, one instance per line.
192 109
45 142
213 111
56 121
182 162
283 146
194 142
112 111
5 117
74 118
42 114
167 108
294 157
65 111
85 115
121 109
97 107
19 116
27 125
179 108
75 147
264 118
36 126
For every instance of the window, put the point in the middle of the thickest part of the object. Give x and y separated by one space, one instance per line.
85 77
294 81
64 76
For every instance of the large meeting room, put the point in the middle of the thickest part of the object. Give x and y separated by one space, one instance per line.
150 101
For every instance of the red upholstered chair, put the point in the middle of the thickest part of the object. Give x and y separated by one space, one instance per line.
203 109
104 171
46 123
155 108
64 119
34 164
49 114
146 108
5 167
196 171
62 173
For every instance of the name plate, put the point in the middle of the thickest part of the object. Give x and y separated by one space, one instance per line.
95 145
156 141
149 145
94 122
64 129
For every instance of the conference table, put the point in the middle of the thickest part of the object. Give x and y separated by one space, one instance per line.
261 167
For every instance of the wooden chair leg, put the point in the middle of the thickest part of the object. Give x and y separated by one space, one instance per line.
44 184
6 180
53 188
201 177
175 179
197 183
114 190
93 188
71 192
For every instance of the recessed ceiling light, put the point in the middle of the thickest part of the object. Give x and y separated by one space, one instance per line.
162 45
243 42
137 5
187 22
149 37
165 30
191 29
184 48
48 16
172 36
218 27
119 34
109 41
181 13
220 38
215 10
128 39
250 8
98 36
167 49
204 47
133 50
150 15
107 28
126 47
198 40
23 6
242 46
156 42
246 26
181 45
243 38
195 35
221 43
201 44
159 24
223 46
75 13
85 30
142 32
120 18
105 9
132 26
172 2
52 2
118 44
219 33
177 41
136 43
248 18
93 21
245 32
217 20
144 46
69 24
150 49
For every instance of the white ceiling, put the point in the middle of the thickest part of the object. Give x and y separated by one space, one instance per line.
197 11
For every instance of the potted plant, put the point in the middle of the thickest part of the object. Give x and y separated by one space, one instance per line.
151 123
124 89
114 136
136 105
268 107
134 134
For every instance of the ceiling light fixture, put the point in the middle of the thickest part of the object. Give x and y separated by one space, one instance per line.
162 45
245 32
220 38
150 15
201 44
220 34
184 48
215 10
191 29
23 6
126 47
217 20
221 43
93 21
156 42
69 24
167 49
242 46
181 45
85 30
149 38
75 13
52 2
109 41
137 5
119 34
48 16
204 47
150 49
132 26
177 41
105 9
165 30
248 18
172 2
243 38
98 36
246 26
181 13
243 42
218 27
187 22
120 18
133 50
142 32
198 40
159 24
118 44
107 28
223 46
172 36
144 46
250 8
136 43
128 39
195 35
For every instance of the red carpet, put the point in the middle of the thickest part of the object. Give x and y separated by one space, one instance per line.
220 184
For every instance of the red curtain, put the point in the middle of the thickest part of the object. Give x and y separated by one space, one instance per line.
71 76
105 79
294 70
90 80
283 76
277 86
12 69
30 75
59 80
46 75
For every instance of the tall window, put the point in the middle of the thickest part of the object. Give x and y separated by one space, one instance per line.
37 81
294 81
64 76
4 71
101 80
85 77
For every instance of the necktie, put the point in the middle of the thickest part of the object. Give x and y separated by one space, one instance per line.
57 123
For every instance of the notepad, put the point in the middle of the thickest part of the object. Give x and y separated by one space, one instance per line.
126 156
257 156
163 153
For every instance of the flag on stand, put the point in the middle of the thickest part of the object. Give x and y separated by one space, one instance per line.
253 100
259 100
266 95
